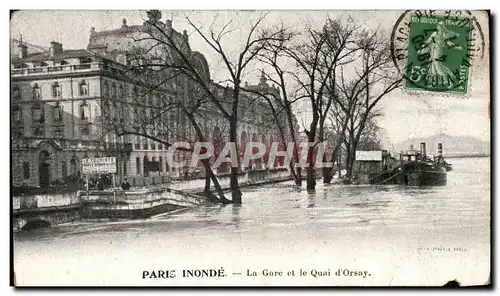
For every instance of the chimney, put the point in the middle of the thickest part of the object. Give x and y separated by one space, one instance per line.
440 149
55 48
422 148
23 50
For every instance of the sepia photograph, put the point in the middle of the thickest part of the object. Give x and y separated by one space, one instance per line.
250 148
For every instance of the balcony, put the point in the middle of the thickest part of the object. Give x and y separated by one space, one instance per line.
63 69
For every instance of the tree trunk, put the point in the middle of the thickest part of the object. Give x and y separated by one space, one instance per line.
311 178
298 177
329 172
311 172
297 174
209 174
350 161
233 181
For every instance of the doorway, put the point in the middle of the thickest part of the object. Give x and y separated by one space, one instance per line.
44 169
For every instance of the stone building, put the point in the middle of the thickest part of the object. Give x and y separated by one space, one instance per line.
65 104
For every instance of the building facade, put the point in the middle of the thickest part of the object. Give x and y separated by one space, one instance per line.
73 104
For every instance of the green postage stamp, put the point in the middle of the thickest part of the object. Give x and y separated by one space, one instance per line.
439 56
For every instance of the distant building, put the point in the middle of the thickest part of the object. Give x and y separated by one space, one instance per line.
63 100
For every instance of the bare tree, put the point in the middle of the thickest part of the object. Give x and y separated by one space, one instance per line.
279 100
317 60
374 78
151 114
172 54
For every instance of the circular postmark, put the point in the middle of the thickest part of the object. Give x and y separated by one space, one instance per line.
434 50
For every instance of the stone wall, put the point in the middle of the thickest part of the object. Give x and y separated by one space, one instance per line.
54 209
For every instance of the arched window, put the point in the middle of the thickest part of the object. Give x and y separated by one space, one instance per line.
84 88
73 166
56 90
84 111
36 92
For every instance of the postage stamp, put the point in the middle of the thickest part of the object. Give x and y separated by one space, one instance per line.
435 50
438 54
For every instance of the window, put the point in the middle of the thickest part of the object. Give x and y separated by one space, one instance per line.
153 146
113 90
36 92
161 164
56 90
73 166
26 170
84 111
137 144
125 168
138 165
64 169
16 93
84 88
57 112
160 146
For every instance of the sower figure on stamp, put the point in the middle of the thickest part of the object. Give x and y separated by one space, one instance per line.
437 72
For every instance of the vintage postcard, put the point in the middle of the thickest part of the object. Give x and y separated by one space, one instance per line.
250 148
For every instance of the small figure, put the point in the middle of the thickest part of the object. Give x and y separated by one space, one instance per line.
125 184
100 185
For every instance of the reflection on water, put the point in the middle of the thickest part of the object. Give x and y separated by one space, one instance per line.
380 226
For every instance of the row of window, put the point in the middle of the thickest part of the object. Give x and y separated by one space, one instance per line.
83 90
55 88
38 113
145 146
64 169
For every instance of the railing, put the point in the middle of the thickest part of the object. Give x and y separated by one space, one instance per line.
45 200
82 66
63 68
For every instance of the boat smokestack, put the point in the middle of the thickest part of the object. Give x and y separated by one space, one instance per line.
440 149
422 148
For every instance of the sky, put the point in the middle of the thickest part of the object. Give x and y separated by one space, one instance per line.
405 115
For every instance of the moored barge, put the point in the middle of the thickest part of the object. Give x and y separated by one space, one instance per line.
415 168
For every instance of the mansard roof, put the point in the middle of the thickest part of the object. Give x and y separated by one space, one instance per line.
66 54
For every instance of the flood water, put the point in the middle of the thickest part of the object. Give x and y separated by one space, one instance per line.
398 235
